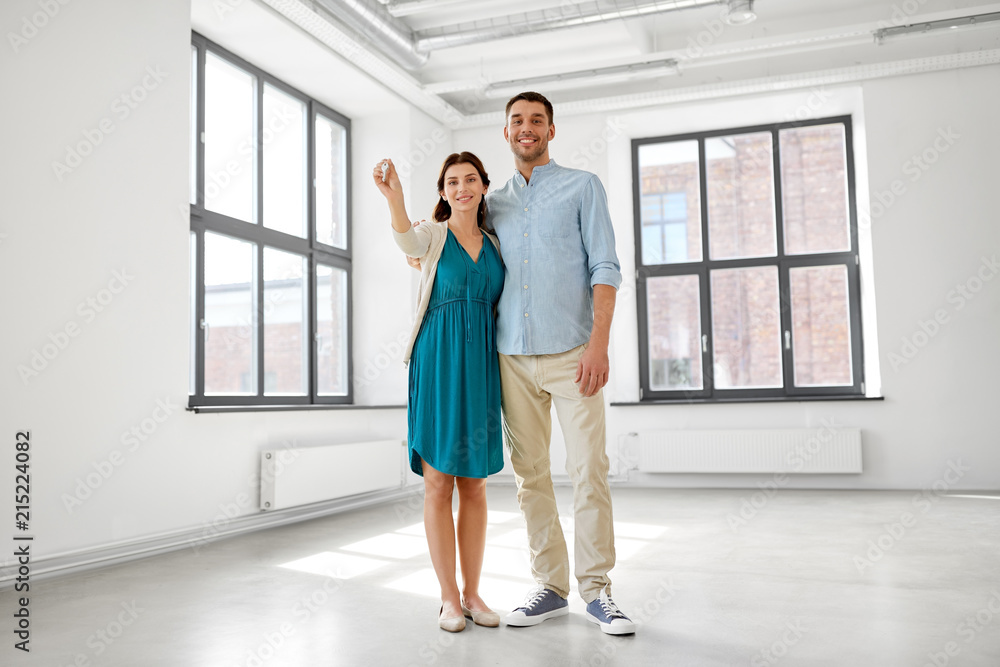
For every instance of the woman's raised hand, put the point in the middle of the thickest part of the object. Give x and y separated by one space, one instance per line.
388 184
390 187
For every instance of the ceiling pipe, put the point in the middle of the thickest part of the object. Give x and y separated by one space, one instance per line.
597 76
545 20
372 22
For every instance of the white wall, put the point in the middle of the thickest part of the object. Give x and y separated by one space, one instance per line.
914 252
122 209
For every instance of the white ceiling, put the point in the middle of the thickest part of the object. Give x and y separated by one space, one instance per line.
789 40
789 36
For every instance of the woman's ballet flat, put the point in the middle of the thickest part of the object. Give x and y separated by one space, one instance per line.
488 619
453 624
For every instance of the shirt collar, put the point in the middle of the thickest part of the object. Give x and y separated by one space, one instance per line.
540 169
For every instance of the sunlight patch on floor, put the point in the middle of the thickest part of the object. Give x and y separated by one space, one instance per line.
642 531
338 566
507 561
390 545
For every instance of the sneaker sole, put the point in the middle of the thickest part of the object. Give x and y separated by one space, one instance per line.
609 629
528 621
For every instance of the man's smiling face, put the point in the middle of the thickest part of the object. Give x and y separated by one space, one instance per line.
528 130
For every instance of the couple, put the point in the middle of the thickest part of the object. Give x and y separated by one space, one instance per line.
546 308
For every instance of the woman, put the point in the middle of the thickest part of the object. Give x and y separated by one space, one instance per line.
454 390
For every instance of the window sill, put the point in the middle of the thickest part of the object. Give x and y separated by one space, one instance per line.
775 399
282 408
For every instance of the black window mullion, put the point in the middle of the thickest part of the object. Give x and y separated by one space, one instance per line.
706 346
258 314
348 199
255 233
199 203
258 220
854 312
311 239
313 331
785 322
258 177
311 173
786 342
200 131
330 251
853 268
199 323
642 275
779 208
349 324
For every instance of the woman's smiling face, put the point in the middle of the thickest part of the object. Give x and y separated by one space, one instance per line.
463 187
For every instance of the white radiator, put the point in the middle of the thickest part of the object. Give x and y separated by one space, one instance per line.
302 475
822 450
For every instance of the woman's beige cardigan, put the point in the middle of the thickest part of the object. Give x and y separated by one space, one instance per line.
426 242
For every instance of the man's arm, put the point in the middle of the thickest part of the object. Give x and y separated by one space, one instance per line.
594 368
605 277
413 261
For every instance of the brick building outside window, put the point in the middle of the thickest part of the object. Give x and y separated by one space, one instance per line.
747 269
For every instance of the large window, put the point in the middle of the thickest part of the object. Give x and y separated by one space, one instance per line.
746 248
270 239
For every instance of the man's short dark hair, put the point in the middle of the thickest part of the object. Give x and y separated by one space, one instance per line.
529 97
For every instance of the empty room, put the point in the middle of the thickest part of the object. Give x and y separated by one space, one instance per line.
543 333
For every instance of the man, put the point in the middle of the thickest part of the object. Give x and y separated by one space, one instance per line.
553 324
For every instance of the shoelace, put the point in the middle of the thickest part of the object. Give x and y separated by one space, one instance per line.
611 609
534 597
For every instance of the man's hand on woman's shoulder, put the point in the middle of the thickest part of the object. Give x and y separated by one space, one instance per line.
413 261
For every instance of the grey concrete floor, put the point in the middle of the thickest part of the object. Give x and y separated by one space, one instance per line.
815 578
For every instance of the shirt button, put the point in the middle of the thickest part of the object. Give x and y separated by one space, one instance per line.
525 261
526 209
526 314
526 233
522 185
525 287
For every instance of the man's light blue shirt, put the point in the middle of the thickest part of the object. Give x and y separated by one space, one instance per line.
557 243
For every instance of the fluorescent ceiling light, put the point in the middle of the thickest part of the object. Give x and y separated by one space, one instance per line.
408 7
583 78
920 28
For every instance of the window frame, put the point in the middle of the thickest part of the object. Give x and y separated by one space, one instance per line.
202 220
849 259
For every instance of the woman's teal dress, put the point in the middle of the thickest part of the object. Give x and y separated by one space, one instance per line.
454 394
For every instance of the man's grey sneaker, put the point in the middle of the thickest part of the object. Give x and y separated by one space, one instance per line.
605 613
540 604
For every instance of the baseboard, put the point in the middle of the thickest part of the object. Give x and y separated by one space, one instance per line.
58 565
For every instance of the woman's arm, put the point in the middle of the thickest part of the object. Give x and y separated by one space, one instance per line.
411 243
392 190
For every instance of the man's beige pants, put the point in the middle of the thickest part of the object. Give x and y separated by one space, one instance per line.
529 387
